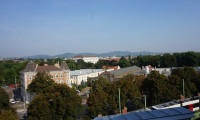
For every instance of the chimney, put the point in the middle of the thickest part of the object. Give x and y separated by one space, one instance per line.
124 110
45 64
182 97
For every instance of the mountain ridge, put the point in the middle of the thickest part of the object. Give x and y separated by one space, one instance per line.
106 54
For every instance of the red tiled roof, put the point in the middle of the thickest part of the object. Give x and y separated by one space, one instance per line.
47 68
110 67
116 59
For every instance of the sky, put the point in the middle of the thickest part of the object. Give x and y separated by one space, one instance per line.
52 27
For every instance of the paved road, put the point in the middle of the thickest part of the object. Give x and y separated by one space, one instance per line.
85 91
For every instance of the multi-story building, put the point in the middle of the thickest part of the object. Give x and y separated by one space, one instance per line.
87 58
115 75
82 75
59 73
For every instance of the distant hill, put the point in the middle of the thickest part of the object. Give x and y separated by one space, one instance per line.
38 57
108 54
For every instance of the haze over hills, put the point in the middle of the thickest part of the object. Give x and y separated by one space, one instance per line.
108 54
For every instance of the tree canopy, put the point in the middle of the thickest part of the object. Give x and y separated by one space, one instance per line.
40 83
6 111
123 62
58 102
104 98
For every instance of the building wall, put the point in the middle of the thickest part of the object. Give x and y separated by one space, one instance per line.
88 59
27 78
77 79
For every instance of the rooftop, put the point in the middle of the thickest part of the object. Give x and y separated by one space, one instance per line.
164 114
84 71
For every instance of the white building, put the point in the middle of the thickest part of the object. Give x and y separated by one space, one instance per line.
87 58
78 76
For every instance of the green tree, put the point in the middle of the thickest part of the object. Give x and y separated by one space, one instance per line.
71 99
8 114
40 83
156 87
123 62
168 60
48 106
99 85
191 78
4 99
97 104
105 98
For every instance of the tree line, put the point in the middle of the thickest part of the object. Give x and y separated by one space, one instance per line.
169 60
158 88
9 71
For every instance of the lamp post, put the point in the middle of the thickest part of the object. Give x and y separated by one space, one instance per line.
145 103
119 101
183 88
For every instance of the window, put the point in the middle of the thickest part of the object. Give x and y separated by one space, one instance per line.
56 75
51 76
61 81
57 81
30 77
61 75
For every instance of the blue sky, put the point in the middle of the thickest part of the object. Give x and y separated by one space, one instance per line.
31 27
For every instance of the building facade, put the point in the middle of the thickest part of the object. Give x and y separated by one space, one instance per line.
87 58
115 75
59 73
82 75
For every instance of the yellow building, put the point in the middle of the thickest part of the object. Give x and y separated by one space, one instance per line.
59 73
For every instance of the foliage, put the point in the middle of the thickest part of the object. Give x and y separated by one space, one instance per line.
58 102
156 87
97 104
191 78
71 99
167 60
123 62
40 83
82 85
9 70
4 99
104 98
99 85
8 114
147 60
48 106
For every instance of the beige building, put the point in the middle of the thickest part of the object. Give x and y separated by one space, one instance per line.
59 73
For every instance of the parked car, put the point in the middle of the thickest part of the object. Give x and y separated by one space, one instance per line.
12 101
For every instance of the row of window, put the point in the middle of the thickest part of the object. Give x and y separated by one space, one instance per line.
60 81
61 76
